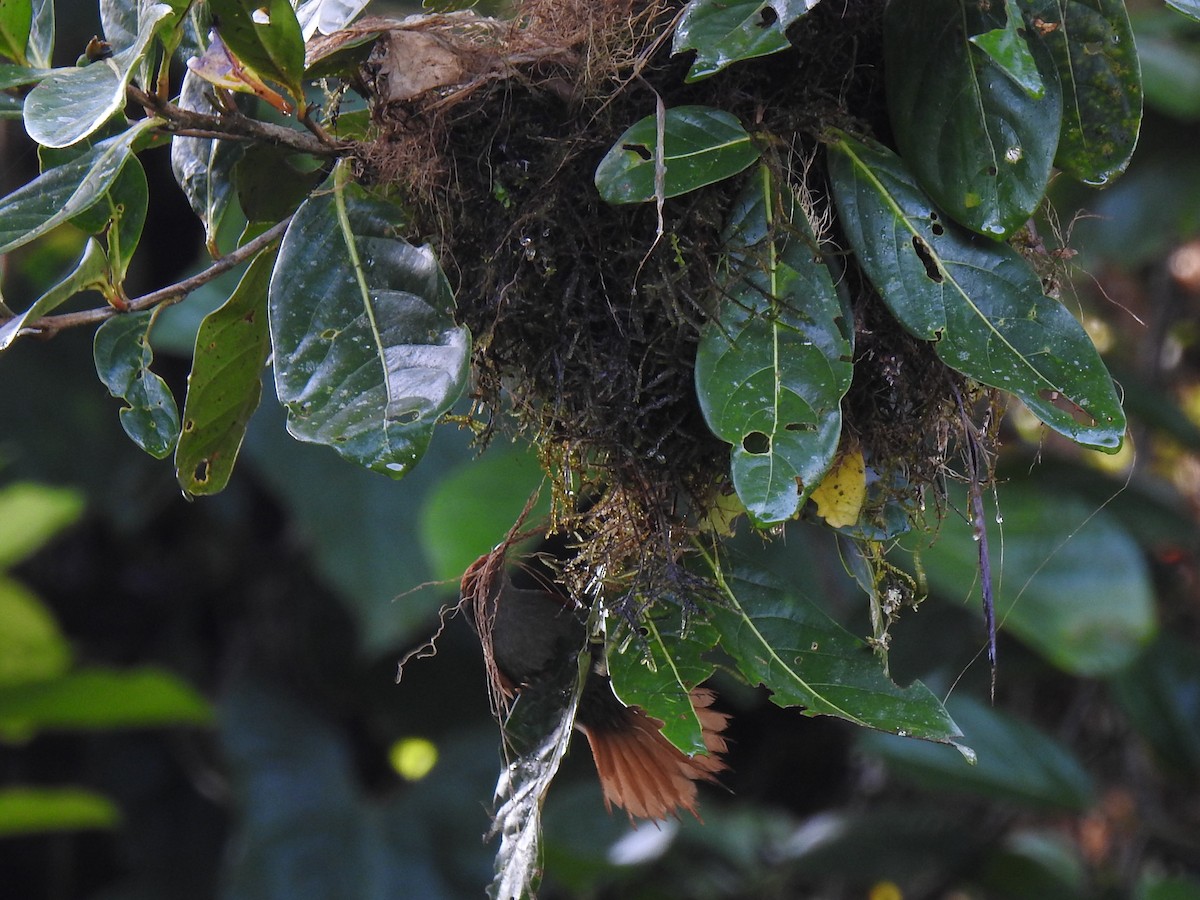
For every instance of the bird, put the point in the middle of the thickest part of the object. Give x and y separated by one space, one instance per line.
528 634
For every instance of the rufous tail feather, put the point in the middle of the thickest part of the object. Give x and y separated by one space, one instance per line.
644 773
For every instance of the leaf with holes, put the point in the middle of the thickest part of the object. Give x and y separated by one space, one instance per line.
1091 42
367 353
657 669
976 299
976 140
772 368
72 103
723 32
225 384
701 146
783 641
123 356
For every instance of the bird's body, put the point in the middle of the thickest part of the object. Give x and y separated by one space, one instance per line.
528 634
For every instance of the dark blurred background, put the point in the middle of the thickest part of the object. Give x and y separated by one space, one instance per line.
217 713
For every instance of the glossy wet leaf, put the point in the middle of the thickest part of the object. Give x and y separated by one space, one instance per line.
265 36
1009 49
65 191
782 640
723 32
366 351
41 34
1071 583
1160 696
16 76
146 697
1017 763
327 16
977 300
657 669
1091 42
203 166
120 216
90 273
976 140
701 146
72 103
123 357
43 810
1190 8
772 367
225 384
16 18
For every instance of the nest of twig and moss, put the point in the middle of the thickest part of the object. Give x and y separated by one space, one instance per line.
586 316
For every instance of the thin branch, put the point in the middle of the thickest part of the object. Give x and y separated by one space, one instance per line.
48 326
236 126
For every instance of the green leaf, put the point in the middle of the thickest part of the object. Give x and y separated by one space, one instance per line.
269 186
1091 42
773 366
367 354
470 509
90 273
1160 696
1008 49
72 103
977 142
29 810
780 639
101 699
30 515
976 299
65 191
203 167
123 356
31 646
1190 8
700 146
265 36
658 669
41 34
16 18
1017 763
18 76
119 216
723 32
1072 582
225 384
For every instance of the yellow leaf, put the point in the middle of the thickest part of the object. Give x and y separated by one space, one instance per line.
839 497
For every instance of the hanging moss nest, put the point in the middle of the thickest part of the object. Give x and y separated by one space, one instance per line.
585 317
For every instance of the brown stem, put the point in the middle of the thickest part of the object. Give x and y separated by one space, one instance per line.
48 326
236 126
